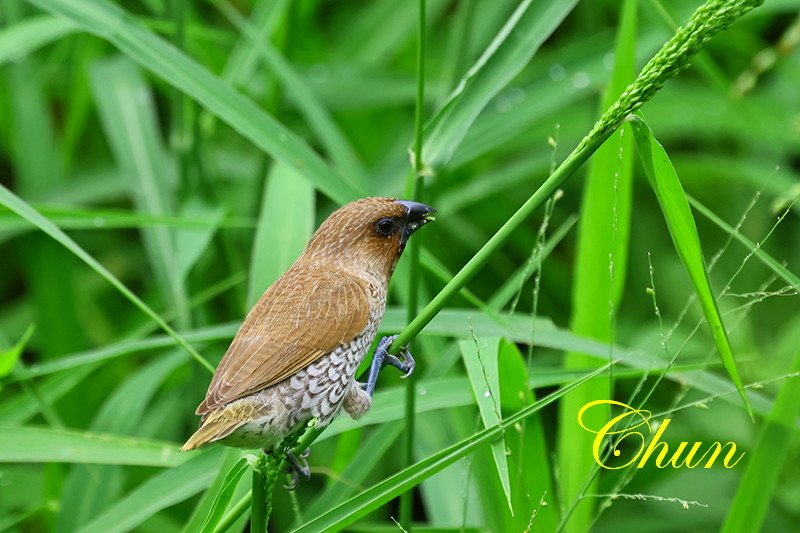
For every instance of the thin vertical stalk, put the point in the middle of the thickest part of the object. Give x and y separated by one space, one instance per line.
258 509
416 185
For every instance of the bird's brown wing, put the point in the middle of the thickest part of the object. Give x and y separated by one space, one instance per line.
302 316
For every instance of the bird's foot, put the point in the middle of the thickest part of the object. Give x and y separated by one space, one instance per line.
405 363
298 466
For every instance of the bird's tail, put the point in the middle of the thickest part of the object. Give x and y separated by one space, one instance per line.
211 430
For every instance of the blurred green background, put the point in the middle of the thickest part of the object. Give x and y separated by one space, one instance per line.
198 207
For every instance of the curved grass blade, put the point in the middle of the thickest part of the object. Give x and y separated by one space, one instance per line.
159 492
480 359
30 34
224 495
284 226
10 356
128 115
378 494
87 491
43 445
513 47
768 457
599 273
682 229
114 24
23 209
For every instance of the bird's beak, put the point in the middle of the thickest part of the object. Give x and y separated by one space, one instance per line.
417 215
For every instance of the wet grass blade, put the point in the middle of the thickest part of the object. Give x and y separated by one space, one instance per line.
512 49
112 23
127 112
372 498
767 459
599 275
24 210
43 445
224 495
480 358
284 226
682 228
159 492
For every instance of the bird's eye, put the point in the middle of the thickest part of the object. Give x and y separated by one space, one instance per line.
385 227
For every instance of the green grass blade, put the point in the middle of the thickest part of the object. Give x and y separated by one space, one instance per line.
284 225
195 522
88 490
24 210
529 455
599 273
43 445
10 356
480 358
512 49
224 495
191 243
358 506
370 453
127 112
110 22
159 492
678 215
93 218
345 159
30 34
768 456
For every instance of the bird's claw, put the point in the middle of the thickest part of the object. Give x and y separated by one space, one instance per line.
407 364
383 357
296 467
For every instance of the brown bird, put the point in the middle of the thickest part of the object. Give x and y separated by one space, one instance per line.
295 356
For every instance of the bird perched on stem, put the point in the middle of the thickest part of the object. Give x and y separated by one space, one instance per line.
295 356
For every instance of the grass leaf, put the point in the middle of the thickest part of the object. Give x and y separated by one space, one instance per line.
24 210
766 461
512 49
678 215
480 359
128 114
224 495
599 273
284 226
112 23
159 492
10 356
372 498
42 445
30 34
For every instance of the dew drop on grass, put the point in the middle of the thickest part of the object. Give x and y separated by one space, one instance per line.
557 72
422 391
99 222
580 80
487 394
503 104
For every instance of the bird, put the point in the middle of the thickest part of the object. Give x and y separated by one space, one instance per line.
296 353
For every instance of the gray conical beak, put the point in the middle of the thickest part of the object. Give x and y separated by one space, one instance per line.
417 216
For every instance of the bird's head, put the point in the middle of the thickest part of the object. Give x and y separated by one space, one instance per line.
370 233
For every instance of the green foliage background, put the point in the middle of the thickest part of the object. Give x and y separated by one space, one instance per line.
186 151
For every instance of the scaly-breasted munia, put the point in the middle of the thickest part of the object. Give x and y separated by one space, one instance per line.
295 356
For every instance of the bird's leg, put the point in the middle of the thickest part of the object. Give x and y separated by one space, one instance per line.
298 466
383 357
